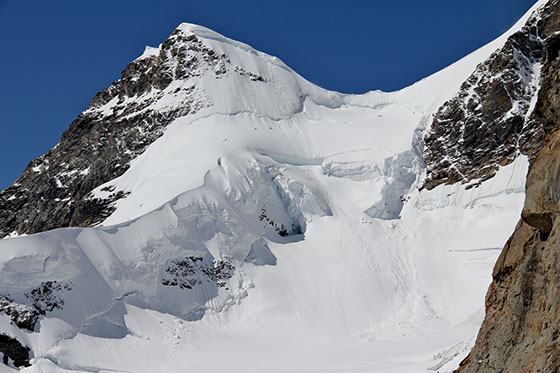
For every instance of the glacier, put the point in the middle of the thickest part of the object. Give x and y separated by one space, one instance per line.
280 227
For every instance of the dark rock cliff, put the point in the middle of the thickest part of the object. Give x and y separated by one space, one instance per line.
521 331
13 350
55 189
488 123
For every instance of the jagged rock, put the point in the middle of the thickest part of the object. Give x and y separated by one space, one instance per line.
521 329
281 229
14 350
194 270
24 316
121 122
488 124
45 298
42 299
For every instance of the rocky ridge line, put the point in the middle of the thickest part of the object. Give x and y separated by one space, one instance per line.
487 124
122 121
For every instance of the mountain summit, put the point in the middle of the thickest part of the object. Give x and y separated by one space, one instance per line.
219 212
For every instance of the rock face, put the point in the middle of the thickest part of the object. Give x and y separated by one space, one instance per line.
191 271
122 120
522 326
488 123
38 301
13 350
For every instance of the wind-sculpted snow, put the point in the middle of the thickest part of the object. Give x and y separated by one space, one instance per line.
209 258
176 259
194 74
265 224
401 172
188 74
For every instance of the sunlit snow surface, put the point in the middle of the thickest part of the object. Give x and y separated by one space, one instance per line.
375 275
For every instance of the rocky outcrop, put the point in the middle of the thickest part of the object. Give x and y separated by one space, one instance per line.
191 271
488 123
14 352
121 122
521 331
43 299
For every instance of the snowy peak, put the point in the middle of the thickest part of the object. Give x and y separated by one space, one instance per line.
228 75
194 71
225 203
181 59
197 73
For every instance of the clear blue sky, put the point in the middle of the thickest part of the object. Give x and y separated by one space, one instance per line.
55 55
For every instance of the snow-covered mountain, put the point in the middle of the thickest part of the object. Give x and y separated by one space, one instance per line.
227 214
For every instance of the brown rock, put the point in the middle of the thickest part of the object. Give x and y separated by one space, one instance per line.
521 330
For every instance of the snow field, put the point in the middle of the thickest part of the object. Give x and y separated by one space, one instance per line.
281 228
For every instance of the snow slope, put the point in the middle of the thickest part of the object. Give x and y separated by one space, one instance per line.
280 228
